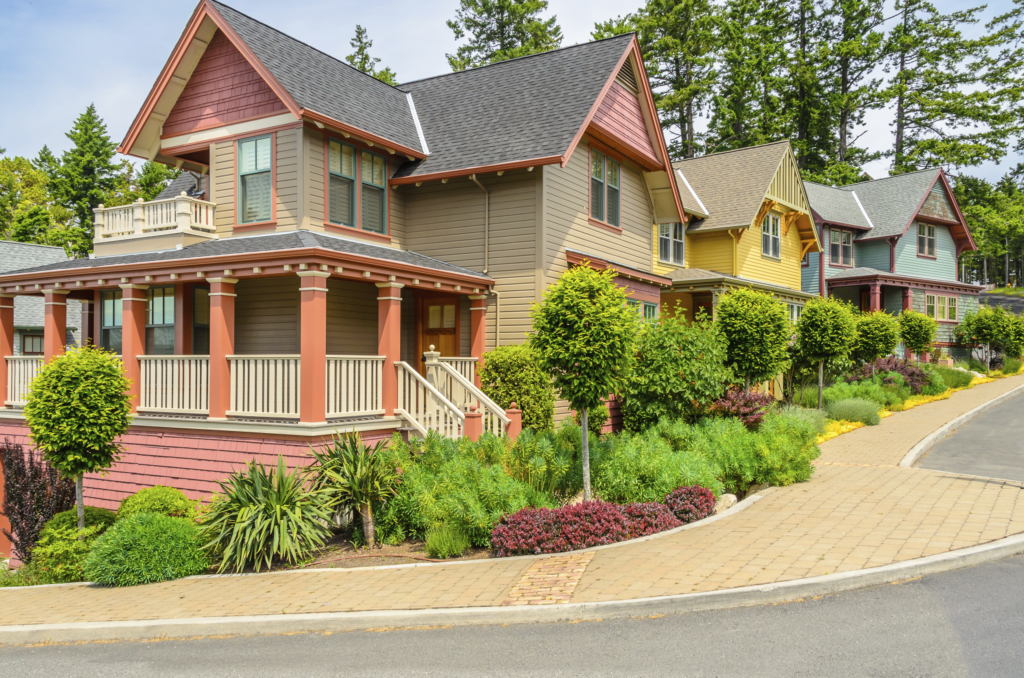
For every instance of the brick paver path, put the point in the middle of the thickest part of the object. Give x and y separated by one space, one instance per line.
859 510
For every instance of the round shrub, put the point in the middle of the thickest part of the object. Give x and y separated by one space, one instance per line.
532 531
690 504
512 374
68 520
651 518
146 548
167 501
854 409
61 551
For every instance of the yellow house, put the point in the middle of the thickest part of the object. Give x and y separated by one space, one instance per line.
748 225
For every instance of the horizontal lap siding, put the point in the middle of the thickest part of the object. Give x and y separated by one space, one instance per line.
874 254
351 318
222 171
784 271
943 267
810 275
314 180
710 252
267 316
288 212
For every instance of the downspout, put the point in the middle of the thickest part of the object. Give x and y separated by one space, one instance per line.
487 256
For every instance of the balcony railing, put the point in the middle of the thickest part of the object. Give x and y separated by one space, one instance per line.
175 384
264 386
21 370
170 215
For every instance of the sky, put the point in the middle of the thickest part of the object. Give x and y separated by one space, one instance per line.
58 56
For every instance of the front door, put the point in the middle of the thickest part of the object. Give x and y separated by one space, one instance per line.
439 326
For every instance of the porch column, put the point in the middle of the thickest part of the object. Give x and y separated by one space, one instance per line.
222 344
133 337
183 319
88 308
478 333
908 298
313 346
389 341
97 317
55 327
6 341
875 302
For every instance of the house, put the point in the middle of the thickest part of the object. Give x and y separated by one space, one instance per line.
893 244
748 225
341 252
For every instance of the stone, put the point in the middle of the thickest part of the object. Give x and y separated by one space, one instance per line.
725 502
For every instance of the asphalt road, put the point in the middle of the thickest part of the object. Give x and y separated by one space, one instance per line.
1011 302
990 445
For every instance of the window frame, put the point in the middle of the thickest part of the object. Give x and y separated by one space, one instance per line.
150 308
927 236
945 305
603 219
385 197
328 173
673 228
357 187
117 312
843 234
33 336
239 224
771 236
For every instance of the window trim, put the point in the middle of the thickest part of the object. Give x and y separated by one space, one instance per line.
149 315
354 206
357 206
841 231
934 315
671 243
805 262
253 225
32 335
117 303
594 221
772 218
385 217
933 239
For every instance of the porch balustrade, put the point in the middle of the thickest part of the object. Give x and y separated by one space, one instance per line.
178 384
459 390
21 370
465 366
354 385
265 386
171 215
424 407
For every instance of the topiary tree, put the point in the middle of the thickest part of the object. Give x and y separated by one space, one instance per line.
917 331
583 332
756 327
512 374
826 330
993 327
679 370
77 407
878 334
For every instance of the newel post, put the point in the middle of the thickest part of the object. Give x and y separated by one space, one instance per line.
474 424
183 212
138 217
431 359
515 424
477 332
99 222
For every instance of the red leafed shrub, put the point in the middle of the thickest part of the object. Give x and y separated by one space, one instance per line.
748 406
692 503
916 378
530 531
645 519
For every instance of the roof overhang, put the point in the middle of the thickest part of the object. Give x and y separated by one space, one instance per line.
895 280
732 282
577 258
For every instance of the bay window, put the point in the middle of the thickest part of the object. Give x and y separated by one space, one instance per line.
255 180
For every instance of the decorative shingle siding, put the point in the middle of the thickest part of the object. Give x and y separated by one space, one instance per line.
943 267
620 114
892 300
937 204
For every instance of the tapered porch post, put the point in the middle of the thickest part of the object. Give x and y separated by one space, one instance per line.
222 344
88 308
389 341
55 326
908 297
875 302
183 319
133 337
313 366
6 341
478 332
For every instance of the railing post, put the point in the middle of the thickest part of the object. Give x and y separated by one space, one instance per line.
138 217
6 342
478 332
99 222
432 361
474 427
313 364
133 338
515 423
183 212
222 344
55 328
389 341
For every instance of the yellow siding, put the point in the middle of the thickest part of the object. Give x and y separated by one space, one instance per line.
313 213
784 271
656 266
710 251
787 186
683 299
222 179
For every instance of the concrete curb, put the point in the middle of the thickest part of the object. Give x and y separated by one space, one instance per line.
335 622
932 439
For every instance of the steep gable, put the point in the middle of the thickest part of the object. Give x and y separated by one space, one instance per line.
621 117
937 204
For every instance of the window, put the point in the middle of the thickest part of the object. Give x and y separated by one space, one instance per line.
794 312
940 307
110 320
341 170
650 311
925 240
372 214
645 309
670 243
200 320
31 344
160 321
441 317
604 189
254 180
841 247
806 261
771 241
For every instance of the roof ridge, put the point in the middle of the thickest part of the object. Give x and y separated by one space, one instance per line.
891 176
31 244
527 56
733 150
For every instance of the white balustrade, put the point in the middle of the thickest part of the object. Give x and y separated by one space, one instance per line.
177 384
354 384
465 366
264 386
424 407
464 394
181 214
21 370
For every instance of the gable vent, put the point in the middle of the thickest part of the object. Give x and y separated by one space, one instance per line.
627 77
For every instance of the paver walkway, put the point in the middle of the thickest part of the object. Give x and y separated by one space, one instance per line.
859 510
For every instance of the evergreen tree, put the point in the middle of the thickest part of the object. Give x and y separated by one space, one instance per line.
361 59
22 187
31 225
47 163
810 119
501 29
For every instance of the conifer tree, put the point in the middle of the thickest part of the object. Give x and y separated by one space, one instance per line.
361 59
47 163
501 29
810 119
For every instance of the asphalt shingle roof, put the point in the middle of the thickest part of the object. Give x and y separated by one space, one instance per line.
835 206
186 182
14 256
698 274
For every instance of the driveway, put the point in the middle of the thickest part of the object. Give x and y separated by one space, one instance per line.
1011 302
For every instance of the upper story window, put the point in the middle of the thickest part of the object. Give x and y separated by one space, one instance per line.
925 240
160 321
670 243
940 307
341 169
841 247
771 240
255 180
110 320
373 215
604 188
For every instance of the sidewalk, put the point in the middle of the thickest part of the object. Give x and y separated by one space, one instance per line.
860 510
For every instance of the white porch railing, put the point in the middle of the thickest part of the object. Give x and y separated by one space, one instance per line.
464 394
465 366
264 386
424 407
354 385
21 370
179 215
175 384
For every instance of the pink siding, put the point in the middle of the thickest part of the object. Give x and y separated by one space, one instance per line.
223 88
191 461
5 543
620 116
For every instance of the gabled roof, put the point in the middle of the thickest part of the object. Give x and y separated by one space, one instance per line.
18 255
835 206
186 182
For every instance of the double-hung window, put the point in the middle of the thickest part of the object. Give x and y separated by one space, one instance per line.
373 196
341 171
925 240
670 243
940 307
255 180
110 320
160 321
604 189
646 310
795 310
771 240
841 247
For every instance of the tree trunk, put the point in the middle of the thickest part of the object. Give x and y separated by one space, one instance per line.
586 454
369 529
821 381
984 271
80 502
988 358
746 382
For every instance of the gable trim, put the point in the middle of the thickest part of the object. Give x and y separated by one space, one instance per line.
416 121
696 197
862 210
776 200
319 119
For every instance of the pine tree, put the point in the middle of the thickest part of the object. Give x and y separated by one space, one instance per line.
153 178
361 59
809 117
47 163
501 29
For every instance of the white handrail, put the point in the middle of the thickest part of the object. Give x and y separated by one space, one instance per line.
465 366
181 214
21 370
424 407
264 386
355 385
464 393
177 384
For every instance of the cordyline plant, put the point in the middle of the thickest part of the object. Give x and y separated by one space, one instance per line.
33 494
878 334
583 333
826 330
917 331
757 330
77 407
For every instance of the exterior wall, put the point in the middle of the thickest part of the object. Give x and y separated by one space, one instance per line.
621 115
351 318
711 252
784 271
873 254
662 268
267 316
683 299
966 303
892 300
850 294
810 275
943 267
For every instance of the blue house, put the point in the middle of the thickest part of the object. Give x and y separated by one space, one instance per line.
893 244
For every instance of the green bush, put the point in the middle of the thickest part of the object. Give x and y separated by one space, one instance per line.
1012 365
146 548
596 418
936 385
541 461
888 389
757 333
878 334
854 409
446 541
167 501
512 374
68 520
813 417
917 331
954 378
826 331
61 552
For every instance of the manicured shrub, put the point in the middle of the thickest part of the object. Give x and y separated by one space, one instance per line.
915 376
644 468
757 330
878 334
67 520
167 501
61 552
512 374
813 418
146 548
747 406
597 416
854 409
541 530
825 331
649 518
952 377
690 504
34 492
917 331
446 541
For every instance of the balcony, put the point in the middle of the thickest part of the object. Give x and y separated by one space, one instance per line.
155 225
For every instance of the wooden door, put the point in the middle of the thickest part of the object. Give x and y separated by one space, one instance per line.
438 323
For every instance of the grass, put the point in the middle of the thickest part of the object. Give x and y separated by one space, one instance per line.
1012 291
854 409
